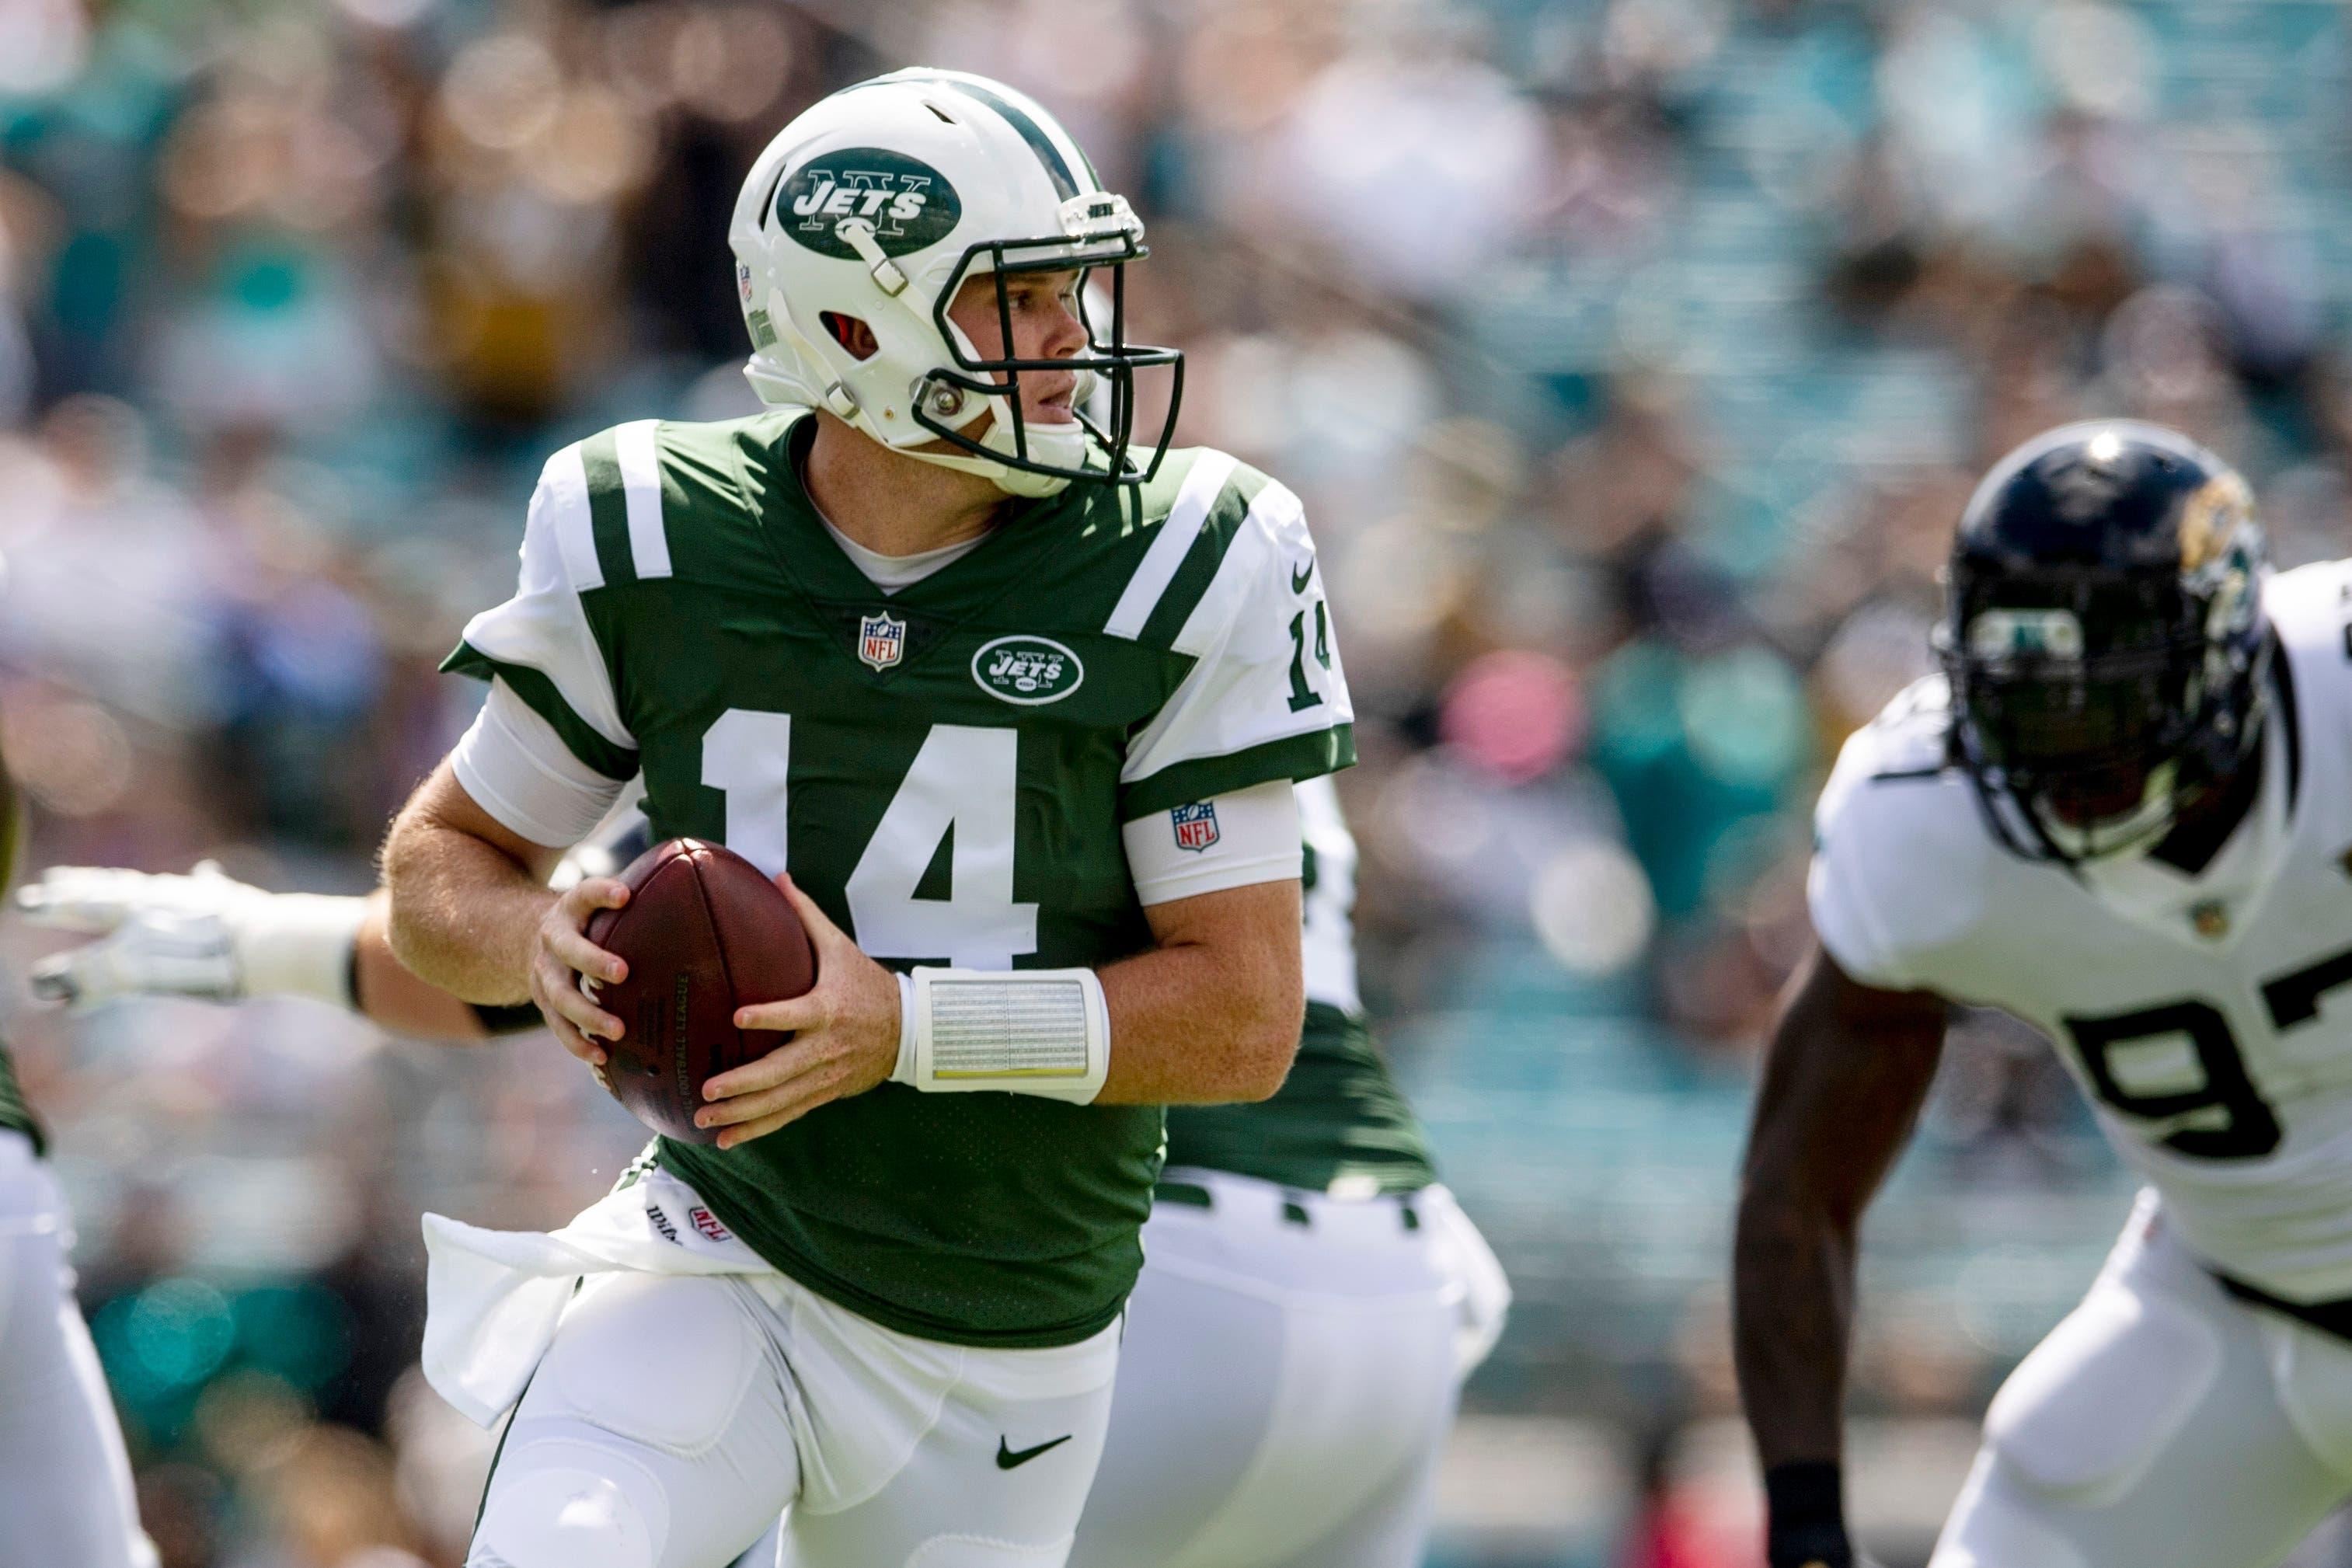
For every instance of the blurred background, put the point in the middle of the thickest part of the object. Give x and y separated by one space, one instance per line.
1635 358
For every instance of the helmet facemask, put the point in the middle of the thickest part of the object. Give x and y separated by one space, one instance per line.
2102 710
1103 236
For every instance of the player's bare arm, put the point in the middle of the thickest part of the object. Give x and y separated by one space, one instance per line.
471 914
387 993
1848 1068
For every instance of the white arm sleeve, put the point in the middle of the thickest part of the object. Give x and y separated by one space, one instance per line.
1233 841
518 770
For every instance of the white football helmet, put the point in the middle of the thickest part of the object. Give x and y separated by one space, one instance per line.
876 205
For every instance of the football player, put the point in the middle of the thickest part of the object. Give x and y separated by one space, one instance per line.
64 1478
2120 814
1009 701
1297 1244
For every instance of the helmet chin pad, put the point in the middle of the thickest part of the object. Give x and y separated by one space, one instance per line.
796 372
2126 824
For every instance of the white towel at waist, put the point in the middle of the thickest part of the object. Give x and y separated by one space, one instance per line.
493 1297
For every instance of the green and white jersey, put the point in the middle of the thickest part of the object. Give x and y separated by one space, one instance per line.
946 770
1338 1124
15 1114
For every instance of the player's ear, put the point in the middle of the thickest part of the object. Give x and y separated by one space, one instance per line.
851 334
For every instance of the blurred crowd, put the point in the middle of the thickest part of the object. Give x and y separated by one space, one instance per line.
1634 358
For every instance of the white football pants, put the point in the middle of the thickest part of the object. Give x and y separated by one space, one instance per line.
65 1481
673 1416
1290 1373
2163 1424
1286 1383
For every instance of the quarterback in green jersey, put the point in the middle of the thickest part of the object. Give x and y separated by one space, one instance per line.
1013 707
1300 1248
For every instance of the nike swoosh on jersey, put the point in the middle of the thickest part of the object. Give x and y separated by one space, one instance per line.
1008 1458
1298 579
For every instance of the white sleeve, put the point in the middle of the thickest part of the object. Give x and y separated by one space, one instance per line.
1850 931
1855 848
540 641
518 770
1235 840
1266 698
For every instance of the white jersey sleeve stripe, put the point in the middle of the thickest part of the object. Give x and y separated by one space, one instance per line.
1238 697
1199 492
544 626
641 483
1276 514
563 489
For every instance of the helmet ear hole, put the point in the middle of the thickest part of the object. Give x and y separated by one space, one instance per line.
854 335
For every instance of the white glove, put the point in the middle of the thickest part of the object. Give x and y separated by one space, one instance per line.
205 935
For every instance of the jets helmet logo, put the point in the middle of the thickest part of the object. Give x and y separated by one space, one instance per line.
909 203
881 640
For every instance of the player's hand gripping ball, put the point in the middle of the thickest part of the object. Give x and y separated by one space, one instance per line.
703 934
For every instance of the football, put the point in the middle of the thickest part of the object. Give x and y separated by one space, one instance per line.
703 934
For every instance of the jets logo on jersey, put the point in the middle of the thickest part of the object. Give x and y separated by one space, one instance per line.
881 640
1196 825
907 203
1027 671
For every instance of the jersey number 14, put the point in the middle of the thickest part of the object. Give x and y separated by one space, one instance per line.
962 782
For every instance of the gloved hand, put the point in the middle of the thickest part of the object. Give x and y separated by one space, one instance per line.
205 935
158 936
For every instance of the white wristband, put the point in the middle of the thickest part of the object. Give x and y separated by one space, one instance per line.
1044 1032
295 945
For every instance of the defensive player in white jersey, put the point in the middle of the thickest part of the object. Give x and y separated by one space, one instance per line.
1301 1246
2122 814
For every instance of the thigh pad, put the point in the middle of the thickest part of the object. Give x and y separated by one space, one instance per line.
661 1360
2084 1416
564 1504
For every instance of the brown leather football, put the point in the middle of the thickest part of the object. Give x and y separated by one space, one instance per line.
703 934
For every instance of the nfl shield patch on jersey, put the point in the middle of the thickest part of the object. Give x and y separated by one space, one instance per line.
881 639
1196 825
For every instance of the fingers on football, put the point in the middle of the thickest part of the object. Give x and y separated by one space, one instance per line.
797 1016
777 1066
735 1137
571 1038
751 1116
584 957
593 893
569 1011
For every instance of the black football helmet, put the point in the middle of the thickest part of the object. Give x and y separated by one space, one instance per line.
2104 636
